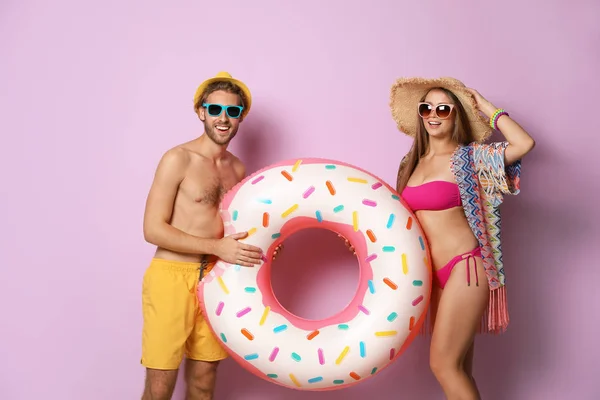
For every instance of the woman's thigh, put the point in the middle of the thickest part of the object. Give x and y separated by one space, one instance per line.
459 312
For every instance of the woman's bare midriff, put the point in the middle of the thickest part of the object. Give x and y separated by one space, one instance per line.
448 234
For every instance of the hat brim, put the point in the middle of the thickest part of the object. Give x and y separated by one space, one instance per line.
239 83
407 92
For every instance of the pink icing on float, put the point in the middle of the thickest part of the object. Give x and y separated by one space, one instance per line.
391 300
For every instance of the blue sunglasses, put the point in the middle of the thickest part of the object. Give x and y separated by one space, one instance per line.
214 110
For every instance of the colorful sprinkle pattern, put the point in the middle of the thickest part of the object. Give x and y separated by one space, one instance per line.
332 355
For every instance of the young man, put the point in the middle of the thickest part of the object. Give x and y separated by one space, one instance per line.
182 219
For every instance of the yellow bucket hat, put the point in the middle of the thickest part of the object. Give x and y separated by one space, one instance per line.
225 76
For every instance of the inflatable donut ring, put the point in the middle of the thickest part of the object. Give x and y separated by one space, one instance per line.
394 286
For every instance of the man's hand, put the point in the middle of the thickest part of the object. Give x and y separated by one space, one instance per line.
230 250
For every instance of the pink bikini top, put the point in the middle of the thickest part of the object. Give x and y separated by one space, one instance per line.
435 195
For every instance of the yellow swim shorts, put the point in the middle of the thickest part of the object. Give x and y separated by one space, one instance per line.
173 322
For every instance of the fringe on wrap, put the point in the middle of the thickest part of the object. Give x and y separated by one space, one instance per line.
494 321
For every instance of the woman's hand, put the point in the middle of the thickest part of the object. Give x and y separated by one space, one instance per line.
483 105
277 251
348 245
280 247
519 141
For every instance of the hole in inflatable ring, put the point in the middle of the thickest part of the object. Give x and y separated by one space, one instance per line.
315 276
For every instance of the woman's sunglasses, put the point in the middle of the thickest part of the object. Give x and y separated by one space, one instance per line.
442 111
214 110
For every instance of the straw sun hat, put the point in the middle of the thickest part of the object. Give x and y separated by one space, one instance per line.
407 92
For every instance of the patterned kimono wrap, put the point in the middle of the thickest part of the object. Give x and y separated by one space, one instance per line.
483 180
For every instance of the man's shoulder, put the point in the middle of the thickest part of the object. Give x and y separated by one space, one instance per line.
177 157
177 154
234 159
238 165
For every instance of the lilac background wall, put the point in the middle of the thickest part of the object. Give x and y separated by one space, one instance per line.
92 93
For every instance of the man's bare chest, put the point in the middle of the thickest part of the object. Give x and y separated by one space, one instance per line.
207 188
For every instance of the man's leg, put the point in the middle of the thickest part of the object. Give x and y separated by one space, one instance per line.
159 384
201 377
168 320
203 352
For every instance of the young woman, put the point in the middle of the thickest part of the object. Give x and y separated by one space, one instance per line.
454 184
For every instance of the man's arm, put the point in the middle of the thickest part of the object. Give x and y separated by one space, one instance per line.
159 208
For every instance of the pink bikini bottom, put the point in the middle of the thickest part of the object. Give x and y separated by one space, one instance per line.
443 274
